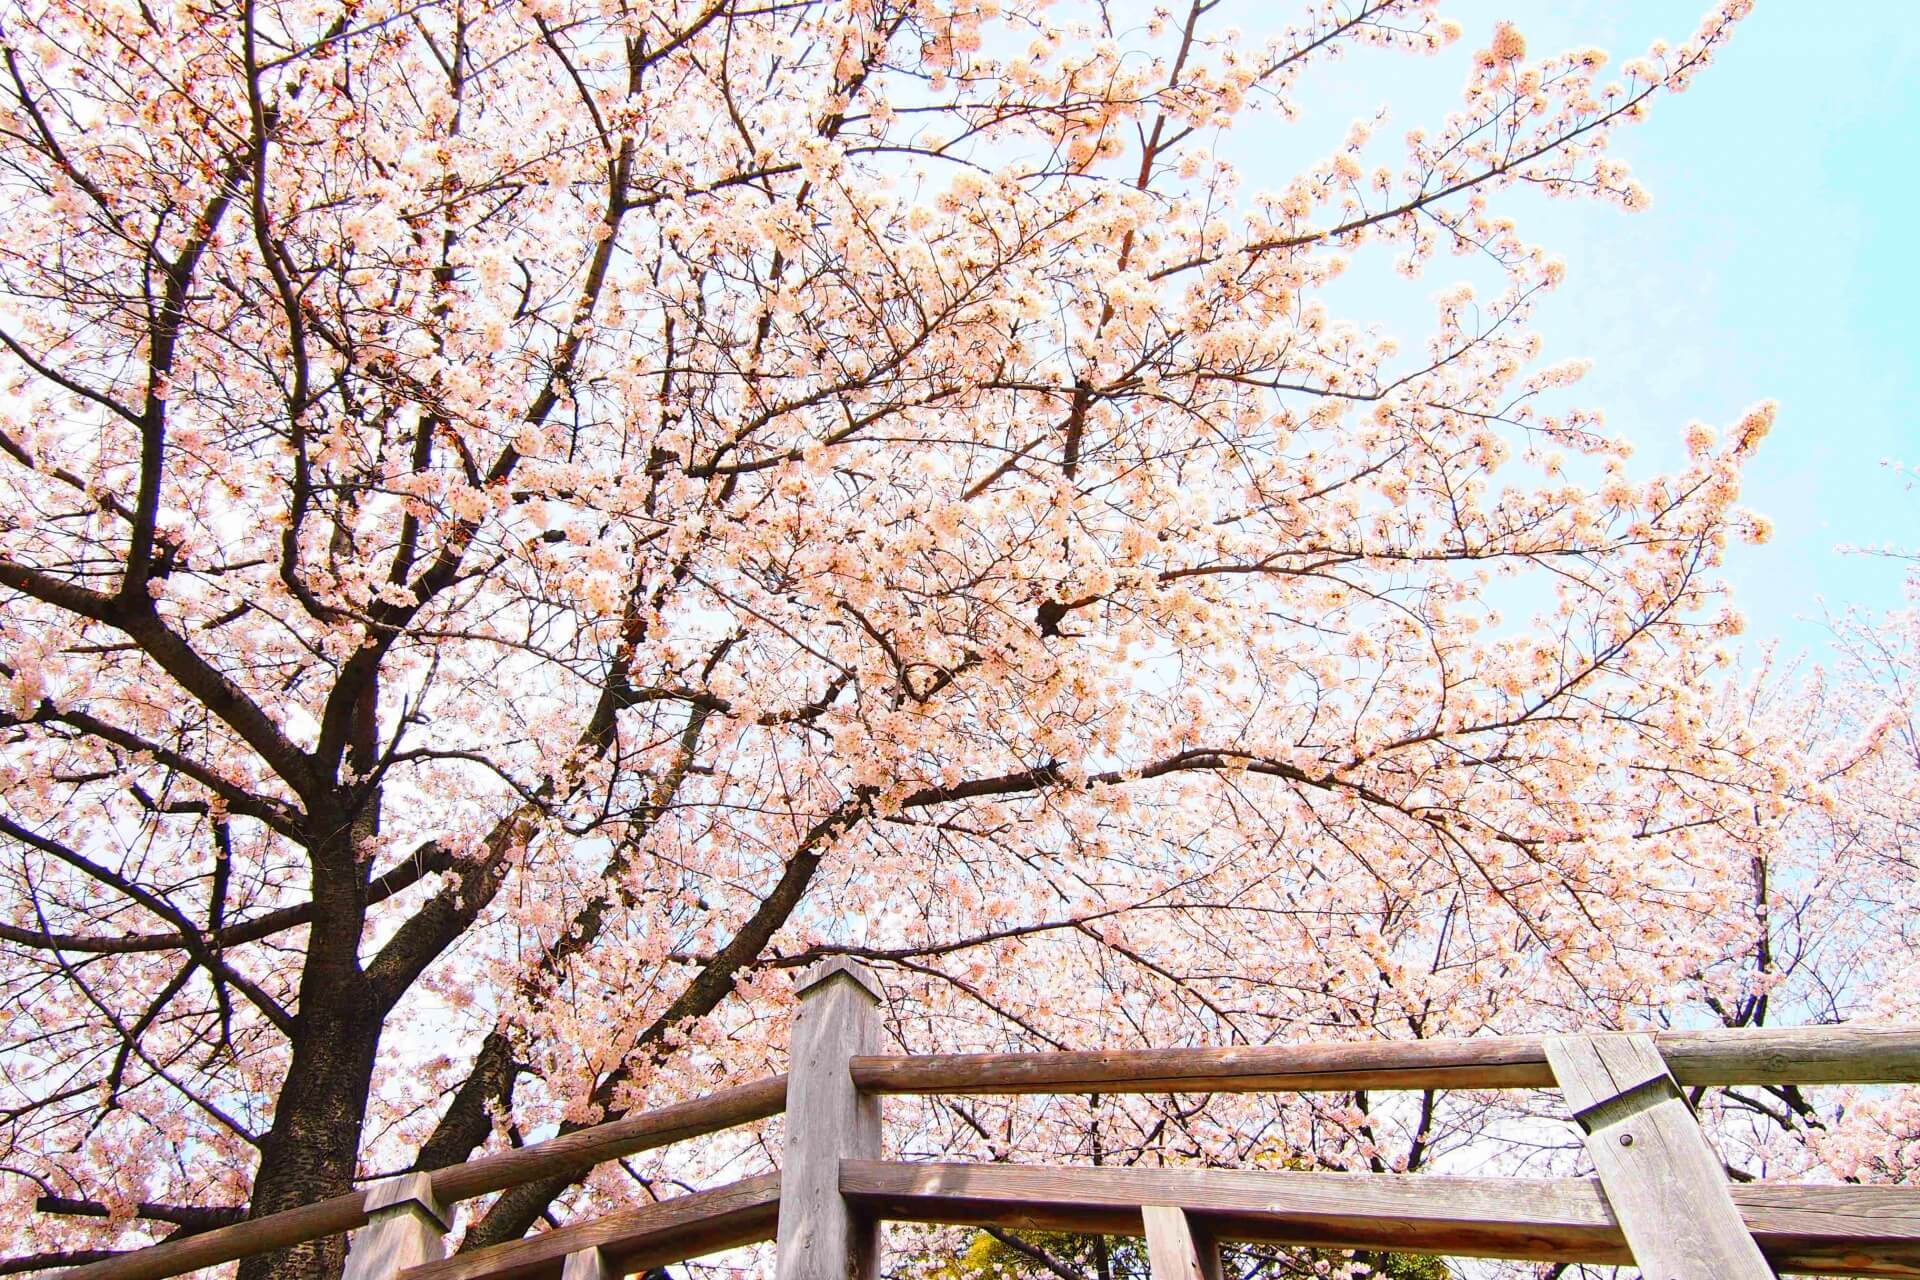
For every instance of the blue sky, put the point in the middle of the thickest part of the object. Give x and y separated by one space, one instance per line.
1777 261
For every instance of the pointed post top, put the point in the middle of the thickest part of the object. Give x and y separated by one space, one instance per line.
821 1236
816 977
406 1226
411 1191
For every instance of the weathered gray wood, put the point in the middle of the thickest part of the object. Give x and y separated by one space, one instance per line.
581 1149
1792 1055
405 1227
1665 1184
584 1148
327 1217
821 1236
1851 1231
1810 1055
652 1235
588 1264
1171 1251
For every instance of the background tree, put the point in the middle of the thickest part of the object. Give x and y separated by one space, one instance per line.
522 521
1829 928
995 1254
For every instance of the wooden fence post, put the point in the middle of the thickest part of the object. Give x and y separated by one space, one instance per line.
1175 1251
1665 1185
1207 1245
405 1227
821 1236
588 1264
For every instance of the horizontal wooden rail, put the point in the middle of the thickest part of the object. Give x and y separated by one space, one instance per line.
1853 1231
581 1149
639 1239
1797 1055
742 1104
1808 1055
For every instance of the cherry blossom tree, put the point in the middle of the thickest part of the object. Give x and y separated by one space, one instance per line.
1829 930
523 521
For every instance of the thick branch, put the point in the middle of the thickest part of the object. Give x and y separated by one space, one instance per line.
517 1210
188 1216
428 859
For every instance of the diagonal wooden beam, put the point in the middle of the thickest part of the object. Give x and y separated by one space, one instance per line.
1665 1184
1853 1230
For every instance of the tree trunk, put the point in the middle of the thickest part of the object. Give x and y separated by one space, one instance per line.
313 1149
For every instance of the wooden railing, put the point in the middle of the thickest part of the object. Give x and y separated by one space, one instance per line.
574 1152
1662 1200
1762 1055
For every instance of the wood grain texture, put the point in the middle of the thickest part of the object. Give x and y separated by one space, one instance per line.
1665 1184
741 1104
821 1236
689 1226
405 1227
836 967
1171 1252
1865 1231
327 1217
1592 1070
1814 1055
406 1190
1207 1244
1797 1055
588 1264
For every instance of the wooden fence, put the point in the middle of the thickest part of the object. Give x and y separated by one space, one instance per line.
1661 1201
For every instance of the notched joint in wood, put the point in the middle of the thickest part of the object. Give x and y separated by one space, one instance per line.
1626 1104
